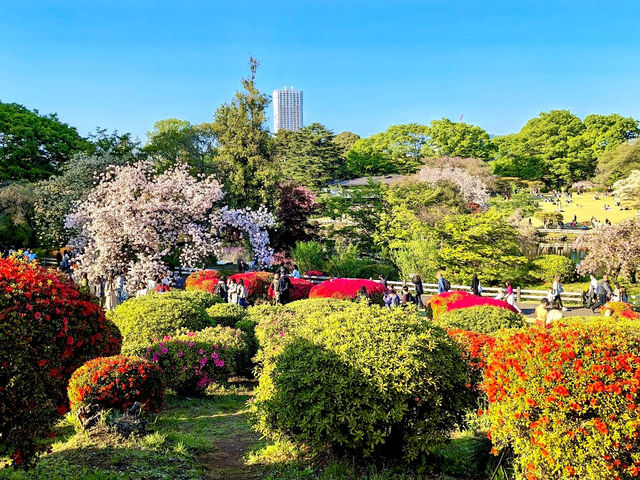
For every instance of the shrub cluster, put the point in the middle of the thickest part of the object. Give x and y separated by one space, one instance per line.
437 304
475 301
619 311
566 399
143 319
299 290
546 267
198 298
482 319
194 360
333 378
475 349
117 382
48 328
257 283
205 280
226 314
348 289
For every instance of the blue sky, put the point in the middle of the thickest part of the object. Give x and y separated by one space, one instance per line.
362 65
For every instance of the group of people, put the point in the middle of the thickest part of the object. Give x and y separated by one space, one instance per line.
600 293
232 291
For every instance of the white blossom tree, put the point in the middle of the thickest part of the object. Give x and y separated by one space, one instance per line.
472 188
629 188
135 218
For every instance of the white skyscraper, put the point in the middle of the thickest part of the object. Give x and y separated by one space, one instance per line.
287 109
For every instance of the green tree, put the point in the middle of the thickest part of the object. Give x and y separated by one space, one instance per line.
345 140
16 215
114 143
459 139
616 164
34 146
244 159
509 165
605 132
174 140
309 156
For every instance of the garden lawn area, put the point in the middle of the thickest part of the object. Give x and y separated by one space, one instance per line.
585 207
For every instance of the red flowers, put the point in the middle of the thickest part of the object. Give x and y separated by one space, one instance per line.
619 311
299 290
205 280
475 301
437 304
257 283
347 289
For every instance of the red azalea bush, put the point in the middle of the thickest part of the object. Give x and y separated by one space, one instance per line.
257 283
620 311
475 347
437 304
314 273
205 280
348 289
48 328
566 398
475 301
299 290
118 382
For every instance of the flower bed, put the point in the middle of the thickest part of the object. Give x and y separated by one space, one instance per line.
565 398
48 328
437 304
205 280
299 290
257 283
117 382
475 301
348 289
620 311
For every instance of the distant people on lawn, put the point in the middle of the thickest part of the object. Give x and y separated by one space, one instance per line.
417 281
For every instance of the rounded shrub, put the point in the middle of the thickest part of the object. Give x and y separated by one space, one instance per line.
566 400
547 267
475 349
437 304
619 311
337 380
475 301
48 328
194 360
226 314
256 283
299 290
348 289
198 298
205 280
482 319
143 319
117 382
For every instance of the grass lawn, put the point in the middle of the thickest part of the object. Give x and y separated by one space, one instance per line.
585 207
211 438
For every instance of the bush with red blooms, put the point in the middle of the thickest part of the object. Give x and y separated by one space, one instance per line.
566 398
48 328
348 289
475 347
620 311
314 273
117 382
299 290
205 280
475 301
257 283
437 304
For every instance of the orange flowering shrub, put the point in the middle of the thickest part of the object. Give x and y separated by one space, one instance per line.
48 328
205 280
117 382
437 304
257 283
566 398
475 349
620 311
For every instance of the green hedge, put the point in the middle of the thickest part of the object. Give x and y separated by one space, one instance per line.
226 314
483 319
358 379
143 319
546 267
198 298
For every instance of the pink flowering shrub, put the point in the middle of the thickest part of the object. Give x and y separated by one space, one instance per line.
437 304
474 301
300 289
347 289
194 360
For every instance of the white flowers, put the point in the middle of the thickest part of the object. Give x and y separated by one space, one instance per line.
472 188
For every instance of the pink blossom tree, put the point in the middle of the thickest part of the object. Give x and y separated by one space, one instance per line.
134 218
472 188
614 250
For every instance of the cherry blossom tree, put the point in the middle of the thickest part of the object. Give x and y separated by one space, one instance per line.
472 188
629 188
614 250
135 218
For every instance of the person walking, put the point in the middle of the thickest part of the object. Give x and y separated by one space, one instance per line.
284 286
242 293
221 288
443 284
275 284
232 291
110 294
511 299
476 289
417 281
604 291
557 293
593 289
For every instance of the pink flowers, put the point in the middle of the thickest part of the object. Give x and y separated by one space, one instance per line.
347 289
474 301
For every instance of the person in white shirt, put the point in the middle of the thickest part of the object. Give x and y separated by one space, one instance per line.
593 290
557 291
232 291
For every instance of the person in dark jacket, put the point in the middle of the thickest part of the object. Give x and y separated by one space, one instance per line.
417 281
475 286
284 287
604 291
221 288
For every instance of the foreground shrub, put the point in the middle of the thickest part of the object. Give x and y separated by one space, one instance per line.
348 289
299 290
117 382
257 283
475 349
619 311
566 398
437 304
547 267
336 380
194 360
482 319
226 314
205 280
48 328
198 298
475 301
143 319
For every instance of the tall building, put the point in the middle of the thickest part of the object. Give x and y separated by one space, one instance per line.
287 109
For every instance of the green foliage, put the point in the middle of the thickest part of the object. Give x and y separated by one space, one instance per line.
511 165
417 256
17 227
482 319
153 316
344 141
459 139
34 146
549 217
547 267
605 132
616 164
337 380
226 314
520 201
308 256
198 298
346 262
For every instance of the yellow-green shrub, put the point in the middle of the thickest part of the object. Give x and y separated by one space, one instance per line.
483 319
